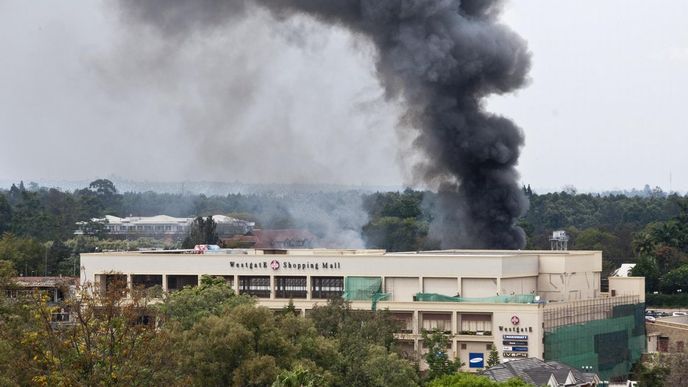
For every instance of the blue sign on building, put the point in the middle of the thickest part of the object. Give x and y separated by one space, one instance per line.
476 360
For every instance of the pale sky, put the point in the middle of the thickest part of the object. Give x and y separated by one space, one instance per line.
84 96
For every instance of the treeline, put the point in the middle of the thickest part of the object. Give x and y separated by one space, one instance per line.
40 221
208 336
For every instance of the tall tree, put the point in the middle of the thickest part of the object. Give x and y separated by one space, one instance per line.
438 360
5 214
202 232
26 254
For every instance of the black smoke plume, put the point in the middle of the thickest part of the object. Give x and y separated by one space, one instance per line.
440 58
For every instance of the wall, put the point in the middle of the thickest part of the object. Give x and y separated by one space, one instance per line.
627 286
675 331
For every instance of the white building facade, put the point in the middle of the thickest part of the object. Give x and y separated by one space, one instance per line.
488 298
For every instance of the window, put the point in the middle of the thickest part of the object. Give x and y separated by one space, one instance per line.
405 321
229 280
327 287
146 280
290 287
115 282
258 286
177 282
472 324
437 321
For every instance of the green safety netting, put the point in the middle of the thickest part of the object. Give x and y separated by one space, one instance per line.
364 289
514 299
610 346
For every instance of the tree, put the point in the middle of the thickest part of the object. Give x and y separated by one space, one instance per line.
108 342
5 215
201 232
29 218
298 377
438 360
106 192
26 254
364 341
189 305
219 346
493 358
652 375
464 379
647 267
57 253
675 280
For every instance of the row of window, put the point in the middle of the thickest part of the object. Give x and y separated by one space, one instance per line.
468 323
258 286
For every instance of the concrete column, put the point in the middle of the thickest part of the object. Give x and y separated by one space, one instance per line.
416 322
454 322
499 285
272 287
198 281
308 290
164 282
130 282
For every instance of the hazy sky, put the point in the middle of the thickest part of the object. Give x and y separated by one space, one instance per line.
83 96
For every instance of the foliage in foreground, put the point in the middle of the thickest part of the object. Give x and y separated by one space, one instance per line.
205 335
464 379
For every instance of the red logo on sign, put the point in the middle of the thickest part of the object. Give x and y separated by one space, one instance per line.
274 264
515 320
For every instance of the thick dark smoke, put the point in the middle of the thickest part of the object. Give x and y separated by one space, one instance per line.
440 58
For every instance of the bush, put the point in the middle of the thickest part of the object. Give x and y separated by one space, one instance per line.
667 300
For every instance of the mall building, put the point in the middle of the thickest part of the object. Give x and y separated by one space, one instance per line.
542 304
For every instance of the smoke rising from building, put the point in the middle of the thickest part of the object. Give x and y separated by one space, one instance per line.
439 59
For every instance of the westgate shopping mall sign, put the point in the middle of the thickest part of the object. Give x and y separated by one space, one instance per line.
278 264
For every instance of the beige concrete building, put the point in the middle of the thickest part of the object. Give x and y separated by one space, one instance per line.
482 298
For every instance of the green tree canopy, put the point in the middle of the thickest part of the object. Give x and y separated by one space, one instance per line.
647 267
436 357
202 232
464 379
675 280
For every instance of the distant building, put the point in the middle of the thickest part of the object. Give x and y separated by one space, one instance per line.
668 334
55 290
162 227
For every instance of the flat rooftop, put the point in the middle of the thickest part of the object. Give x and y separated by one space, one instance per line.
351 252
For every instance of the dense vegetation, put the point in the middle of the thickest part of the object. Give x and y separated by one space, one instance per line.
209 336
205 336
649 228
